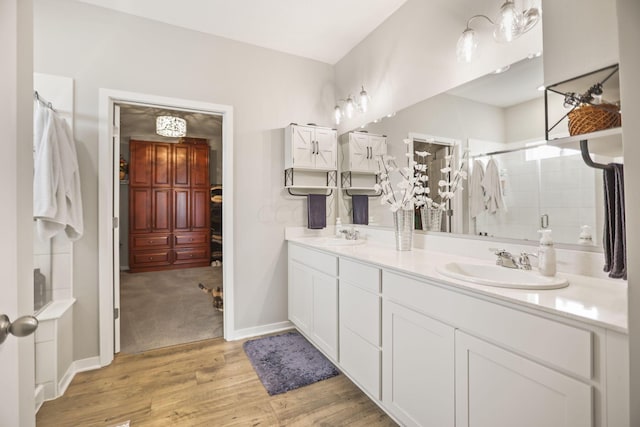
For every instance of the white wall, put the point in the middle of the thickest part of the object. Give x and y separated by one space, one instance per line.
99 48
411 56
629 35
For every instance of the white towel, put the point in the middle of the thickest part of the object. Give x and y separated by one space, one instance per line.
71 178
492 188
477 204
57 201
48 197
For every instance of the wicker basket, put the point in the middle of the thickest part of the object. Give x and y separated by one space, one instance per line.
591 118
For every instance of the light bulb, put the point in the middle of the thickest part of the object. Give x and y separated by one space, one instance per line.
349 107
364 100
337 114
509 23
467 45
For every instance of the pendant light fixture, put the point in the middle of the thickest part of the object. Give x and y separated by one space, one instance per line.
171 126
351 105
510 24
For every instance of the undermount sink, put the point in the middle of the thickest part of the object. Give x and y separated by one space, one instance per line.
339 241
495 275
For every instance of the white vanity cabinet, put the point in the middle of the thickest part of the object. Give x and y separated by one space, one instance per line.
433 354
313 297
361 151
360 314
310 148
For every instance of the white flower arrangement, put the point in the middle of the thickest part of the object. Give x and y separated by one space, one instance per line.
412 189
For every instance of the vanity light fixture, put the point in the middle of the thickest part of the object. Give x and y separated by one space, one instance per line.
510 24
351 106
171 126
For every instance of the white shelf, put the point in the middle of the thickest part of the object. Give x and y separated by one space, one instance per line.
606 142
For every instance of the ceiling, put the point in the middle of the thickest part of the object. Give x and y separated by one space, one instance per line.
140 121
324 30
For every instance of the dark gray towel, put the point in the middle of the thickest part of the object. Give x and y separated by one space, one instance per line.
316 211
615 245
360 209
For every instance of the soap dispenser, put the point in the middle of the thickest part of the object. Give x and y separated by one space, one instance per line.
338 227
585 236
546 254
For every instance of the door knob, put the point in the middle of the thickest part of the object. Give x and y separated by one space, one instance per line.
21 327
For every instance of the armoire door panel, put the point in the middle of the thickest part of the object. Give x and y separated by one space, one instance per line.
181 209
140 164
139 210
161 210
200 165
181 175
161 165
200 201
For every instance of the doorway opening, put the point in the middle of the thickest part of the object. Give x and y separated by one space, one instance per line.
110 216
171 288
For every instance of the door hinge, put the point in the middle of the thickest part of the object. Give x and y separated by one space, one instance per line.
116 313
116 222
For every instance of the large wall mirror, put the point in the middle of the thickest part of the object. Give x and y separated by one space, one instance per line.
500 118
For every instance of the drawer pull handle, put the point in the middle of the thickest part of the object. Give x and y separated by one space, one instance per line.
150 258
150 241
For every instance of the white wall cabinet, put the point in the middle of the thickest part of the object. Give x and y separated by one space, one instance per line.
361 152
310 148
418 367
496 388
313 297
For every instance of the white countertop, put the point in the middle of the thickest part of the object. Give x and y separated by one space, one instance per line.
601 302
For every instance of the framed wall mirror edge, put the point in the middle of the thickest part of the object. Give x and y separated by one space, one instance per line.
500 118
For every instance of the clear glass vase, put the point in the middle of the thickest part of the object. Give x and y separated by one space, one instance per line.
403 225
431 218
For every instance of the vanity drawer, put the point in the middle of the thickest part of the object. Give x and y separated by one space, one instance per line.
320 261
150 241
362 275
539 338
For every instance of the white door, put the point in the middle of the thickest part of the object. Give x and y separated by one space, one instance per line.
303 146
326 149
418 367
496 388
378 146
358 152
300 296
325 312
116 228
16 247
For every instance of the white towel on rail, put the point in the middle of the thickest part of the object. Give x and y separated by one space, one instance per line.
476 204
71 178
492 188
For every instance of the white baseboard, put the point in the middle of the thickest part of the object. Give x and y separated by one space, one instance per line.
76 366
239 334
39 396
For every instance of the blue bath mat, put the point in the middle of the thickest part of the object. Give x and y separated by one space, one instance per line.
288 361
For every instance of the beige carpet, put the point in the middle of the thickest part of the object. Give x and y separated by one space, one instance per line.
164 308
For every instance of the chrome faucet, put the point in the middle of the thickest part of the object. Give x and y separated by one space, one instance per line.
506 259
350 233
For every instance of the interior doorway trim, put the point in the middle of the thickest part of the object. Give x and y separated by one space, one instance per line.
107 176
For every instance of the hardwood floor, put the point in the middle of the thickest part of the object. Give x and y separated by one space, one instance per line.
208 383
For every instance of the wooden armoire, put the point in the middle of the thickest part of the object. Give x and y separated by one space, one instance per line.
168 205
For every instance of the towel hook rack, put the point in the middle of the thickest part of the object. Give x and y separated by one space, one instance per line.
306 194
346 191
584 150
43 101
